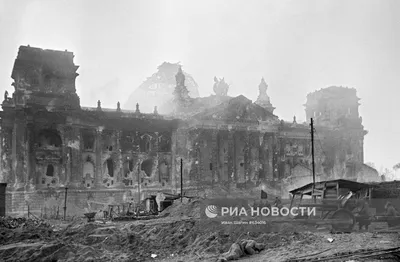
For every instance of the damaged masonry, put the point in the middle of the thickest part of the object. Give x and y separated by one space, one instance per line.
50 143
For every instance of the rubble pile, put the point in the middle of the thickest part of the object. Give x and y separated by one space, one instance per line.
11 223
131 241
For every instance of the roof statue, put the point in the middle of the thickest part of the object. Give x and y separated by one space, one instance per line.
180 77
263 99
181 94
137 108
220 87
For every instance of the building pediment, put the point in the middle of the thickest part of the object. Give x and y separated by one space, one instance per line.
238 108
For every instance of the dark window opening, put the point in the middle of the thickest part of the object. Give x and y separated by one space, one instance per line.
88 185
147 166
110 148
49 137
241 164
211 166
164 144
112 182
110 167
50 170
131 165
88 141
147 146
43 180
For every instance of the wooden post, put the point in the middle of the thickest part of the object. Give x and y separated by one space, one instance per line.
312 157
139 180
181 180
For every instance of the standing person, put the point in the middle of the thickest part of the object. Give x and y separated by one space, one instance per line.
391 214
277 202
364 219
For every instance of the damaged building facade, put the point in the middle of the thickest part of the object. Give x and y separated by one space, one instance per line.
102 156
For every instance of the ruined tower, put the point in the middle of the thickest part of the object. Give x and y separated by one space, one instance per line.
44 79
263 99
44 82
336 109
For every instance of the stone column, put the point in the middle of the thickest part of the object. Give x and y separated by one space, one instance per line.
246 155
76 158
231 156
119 173
98 179
269 146
155 149
200 170
20 132
6 159
30 157
214 156
172 171
262 155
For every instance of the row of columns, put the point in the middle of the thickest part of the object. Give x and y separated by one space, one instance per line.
264 157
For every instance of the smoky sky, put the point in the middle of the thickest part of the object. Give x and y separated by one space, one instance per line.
297 46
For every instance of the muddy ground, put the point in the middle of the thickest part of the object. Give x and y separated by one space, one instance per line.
181 236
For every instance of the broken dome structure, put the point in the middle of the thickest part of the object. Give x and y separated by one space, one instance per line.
158 88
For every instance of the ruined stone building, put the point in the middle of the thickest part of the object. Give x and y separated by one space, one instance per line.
50 142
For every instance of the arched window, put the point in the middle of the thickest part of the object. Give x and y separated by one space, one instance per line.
147 166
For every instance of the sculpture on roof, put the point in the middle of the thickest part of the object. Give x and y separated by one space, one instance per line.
220 87
180 77
263 99
181 94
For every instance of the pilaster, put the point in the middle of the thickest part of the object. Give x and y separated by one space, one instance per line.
173 160
214 156
246 155
98 149
231 154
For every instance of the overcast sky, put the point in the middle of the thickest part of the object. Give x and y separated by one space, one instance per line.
298 46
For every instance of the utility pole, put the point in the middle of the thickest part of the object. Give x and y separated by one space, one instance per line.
65 203
312 155
181 179
138 180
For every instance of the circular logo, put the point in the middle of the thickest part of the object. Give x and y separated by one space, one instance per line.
211 211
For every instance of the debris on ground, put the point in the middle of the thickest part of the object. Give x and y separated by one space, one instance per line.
181 236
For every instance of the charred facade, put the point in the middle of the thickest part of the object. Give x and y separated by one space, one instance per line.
49 142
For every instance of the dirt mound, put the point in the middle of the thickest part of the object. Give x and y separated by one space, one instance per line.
134 241
189 208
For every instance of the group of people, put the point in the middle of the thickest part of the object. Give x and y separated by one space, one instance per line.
365 216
